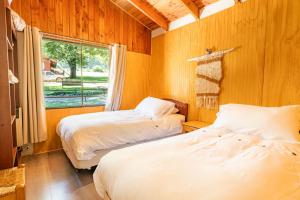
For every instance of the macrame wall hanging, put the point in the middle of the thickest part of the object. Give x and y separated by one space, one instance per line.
209 75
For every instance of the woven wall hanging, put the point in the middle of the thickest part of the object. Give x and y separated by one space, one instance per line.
208 77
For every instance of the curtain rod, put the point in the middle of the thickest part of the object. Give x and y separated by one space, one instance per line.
74 40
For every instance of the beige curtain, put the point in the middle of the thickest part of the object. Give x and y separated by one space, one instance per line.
116 77
31 86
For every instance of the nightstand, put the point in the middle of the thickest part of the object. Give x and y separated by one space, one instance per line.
194 125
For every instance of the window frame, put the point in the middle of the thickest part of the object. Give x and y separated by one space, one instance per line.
81 43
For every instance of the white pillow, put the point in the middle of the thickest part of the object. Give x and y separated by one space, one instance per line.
269 122
174 111
154 107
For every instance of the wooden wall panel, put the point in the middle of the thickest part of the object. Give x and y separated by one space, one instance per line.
50 21
136 86
25 10
282 68
93 20
35 14
243 25
53 117
135 89
265 70
85 19
58 17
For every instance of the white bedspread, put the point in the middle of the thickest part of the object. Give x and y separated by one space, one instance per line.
96 131
207 164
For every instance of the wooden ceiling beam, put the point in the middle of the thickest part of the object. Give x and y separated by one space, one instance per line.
192 7
150 12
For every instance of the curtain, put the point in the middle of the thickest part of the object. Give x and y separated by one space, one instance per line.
34 127
116 77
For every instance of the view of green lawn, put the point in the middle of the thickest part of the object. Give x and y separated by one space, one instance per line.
72 91
70 96
90 79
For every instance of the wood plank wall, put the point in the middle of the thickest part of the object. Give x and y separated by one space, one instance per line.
136 85
265 70
282 58
93 20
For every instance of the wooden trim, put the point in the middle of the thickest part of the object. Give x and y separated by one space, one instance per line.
192 7
47 151
150 12
74 40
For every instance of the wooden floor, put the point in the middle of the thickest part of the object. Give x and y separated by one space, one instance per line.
51 176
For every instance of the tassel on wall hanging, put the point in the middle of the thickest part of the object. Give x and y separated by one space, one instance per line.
209 75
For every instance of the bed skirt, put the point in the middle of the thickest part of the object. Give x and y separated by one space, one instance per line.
88 164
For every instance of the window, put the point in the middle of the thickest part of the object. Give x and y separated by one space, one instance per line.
216 7
74 74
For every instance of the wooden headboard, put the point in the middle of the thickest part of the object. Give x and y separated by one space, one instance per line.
182 107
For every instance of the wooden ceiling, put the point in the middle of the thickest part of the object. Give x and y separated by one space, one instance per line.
159 13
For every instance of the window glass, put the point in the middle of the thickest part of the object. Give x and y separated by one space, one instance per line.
74 74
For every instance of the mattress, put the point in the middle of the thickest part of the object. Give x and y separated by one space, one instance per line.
84 164
88 133
207 164
88 164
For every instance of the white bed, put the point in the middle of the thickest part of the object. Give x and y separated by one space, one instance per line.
87 164
88 137
212 163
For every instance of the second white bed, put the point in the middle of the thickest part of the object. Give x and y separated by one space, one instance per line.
209 164
249 153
